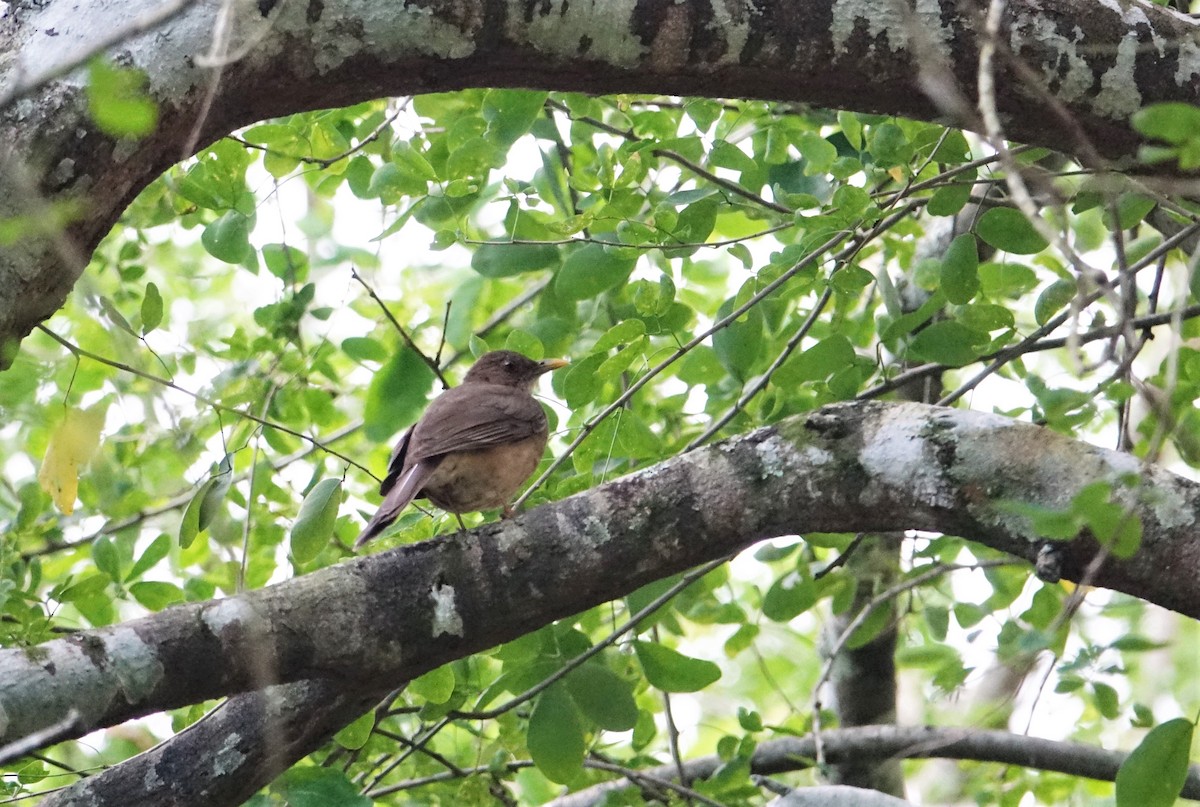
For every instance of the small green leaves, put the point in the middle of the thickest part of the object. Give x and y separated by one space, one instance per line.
203 507
604 697
314 786
591 270
1176 124
314 525
435 686
105 556
1008 230
502 259
950 343
1154 773
789 596
960 270
672 671
152 308
1053 299
355 735
397 394
555 736
228 238
117 100
819 361
1093 507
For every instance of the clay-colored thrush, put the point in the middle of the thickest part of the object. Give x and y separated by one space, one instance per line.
474 446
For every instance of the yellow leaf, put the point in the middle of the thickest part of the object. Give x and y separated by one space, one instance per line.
73 443
896 173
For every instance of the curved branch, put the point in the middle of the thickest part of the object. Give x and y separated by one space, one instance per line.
865 743
56 164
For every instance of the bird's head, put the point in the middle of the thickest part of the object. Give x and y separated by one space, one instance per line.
510 369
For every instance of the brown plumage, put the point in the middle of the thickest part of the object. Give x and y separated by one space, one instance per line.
475 445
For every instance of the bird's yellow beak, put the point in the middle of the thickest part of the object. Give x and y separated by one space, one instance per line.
546 365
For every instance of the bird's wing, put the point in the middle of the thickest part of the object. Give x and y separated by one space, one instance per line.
396 462
474 416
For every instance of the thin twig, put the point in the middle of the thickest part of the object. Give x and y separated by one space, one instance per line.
166 382
404 335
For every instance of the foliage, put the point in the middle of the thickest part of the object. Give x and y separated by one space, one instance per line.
708 266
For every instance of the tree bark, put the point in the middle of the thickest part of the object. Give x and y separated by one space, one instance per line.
1085 68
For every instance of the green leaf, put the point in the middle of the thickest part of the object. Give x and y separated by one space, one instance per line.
604 697
156 595
510 114
672 671
1106 700
228 238
396 395
818 362
620 334
152 308
789 596
1171 122
581 385
852 128
202 508
215 495
105 556
889 145
364 348
591 270
950 343
555 736
435 686
505 259
286 262
355 735
727 155
960 270
818 151
949 200
1053 299
1154 773
1008 230
739 344
115 316
314 525
117 100
157 550
313 786
189 525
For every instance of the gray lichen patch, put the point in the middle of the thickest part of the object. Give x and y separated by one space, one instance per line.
446 619
559 26
134 662
897 456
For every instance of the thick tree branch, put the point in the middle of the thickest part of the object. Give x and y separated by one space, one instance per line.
1095 63
867 743
224 758
855 467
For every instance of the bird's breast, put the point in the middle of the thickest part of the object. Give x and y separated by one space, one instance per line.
483 479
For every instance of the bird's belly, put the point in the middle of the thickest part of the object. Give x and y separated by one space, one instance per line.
466 481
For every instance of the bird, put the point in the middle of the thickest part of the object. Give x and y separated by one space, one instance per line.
474 446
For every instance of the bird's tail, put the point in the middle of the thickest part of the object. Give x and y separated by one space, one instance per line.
399 497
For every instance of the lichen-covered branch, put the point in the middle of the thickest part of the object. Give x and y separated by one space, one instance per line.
1072 73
